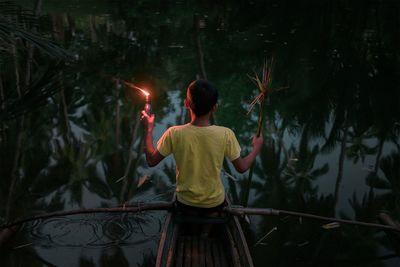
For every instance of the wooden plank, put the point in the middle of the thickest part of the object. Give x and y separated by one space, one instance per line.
172 247
180 252
202 252
163 238
188 251
195 251
209 256
240 241
234 254
216 256
226 247
224 259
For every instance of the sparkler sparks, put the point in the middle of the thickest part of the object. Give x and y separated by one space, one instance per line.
131 85
147 107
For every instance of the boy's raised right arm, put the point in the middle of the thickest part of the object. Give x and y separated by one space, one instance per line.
243 164
153 156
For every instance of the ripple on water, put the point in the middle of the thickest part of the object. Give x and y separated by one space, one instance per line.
97 230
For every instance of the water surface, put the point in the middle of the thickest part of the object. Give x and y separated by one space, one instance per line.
331 124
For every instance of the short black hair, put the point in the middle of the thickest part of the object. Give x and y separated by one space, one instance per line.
203 96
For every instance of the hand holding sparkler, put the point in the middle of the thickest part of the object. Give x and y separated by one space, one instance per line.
148 120
147 106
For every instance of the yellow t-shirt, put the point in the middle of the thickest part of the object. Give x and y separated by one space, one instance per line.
199 153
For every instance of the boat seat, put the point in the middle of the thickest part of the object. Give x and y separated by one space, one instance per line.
200 252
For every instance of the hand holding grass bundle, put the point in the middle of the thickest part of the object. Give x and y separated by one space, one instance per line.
264 86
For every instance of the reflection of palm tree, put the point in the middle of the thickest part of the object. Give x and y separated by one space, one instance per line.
126 181
366 210
28 94
286 182
273 188
390 198
342 154
16 41
300 171
357 150
74 161
14 174
361 241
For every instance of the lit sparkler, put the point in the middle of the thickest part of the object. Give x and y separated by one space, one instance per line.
147 106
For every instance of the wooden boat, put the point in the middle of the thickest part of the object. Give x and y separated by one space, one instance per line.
197 241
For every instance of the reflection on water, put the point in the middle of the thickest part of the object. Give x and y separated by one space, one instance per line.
96 238
70 135
89 232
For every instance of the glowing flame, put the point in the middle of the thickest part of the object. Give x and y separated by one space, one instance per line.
138 88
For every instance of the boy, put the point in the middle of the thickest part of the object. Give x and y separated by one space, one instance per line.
199 149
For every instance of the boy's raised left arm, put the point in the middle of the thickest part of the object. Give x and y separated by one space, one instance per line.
153 157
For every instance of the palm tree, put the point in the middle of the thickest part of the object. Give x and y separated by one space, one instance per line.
301 172
357 149
390 183
27 86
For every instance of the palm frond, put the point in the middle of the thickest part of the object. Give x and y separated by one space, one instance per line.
44 85
10 31
263 84
15 14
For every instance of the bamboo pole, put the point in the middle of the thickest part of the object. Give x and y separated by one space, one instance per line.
263 86
250 177
162 205
385 218
240 211
237 211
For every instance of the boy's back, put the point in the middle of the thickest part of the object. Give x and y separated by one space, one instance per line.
199 149
199 153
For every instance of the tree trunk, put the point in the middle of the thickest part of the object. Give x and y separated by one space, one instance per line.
65 109
16 65
14 171
135 165
117 113
2 96
342 157
199 48
30 48
379 154
93 32
126 180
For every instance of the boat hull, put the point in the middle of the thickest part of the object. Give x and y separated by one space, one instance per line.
202 241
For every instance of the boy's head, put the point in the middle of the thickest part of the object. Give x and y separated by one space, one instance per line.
201 97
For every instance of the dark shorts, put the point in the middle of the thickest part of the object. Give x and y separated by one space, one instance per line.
196 210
